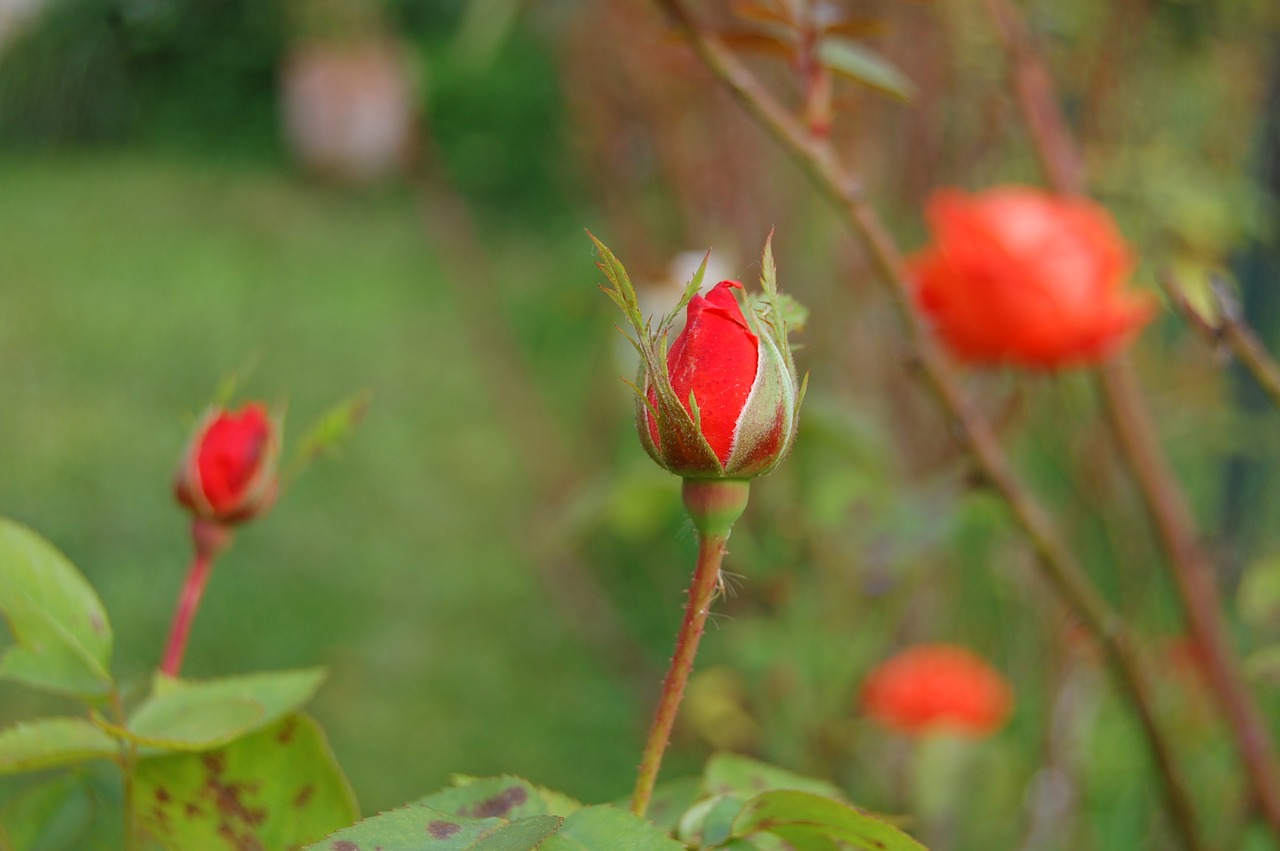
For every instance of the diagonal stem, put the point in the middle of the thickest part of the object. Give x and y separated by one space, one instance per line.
1139 443
820 163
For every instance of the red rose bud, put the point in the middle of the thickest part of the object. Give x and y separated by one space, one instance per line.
1020 276
228 473
938 687
722 403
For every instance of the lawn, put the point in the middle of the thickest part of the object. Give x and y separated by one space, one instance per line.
131 288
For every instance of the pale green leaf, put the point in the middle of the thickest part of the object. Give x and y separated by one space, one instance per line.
504 797
808 821
199 715
47 742
606 828
728 772
852 60
62 633
421 828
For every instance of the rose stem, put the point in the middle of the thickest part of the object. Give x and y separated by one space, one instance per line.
1058 564
1136 437
714 506
209 538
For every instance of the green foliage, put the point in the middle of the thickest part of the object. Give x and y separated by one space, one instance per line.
278 788
739 803
184 715
62 633
856 62
52 816
49 742
425 829
254 771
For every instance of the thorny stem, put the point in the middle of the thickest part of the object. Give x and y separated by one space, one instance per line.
1138 441
209 538
819 161
702 592
714 505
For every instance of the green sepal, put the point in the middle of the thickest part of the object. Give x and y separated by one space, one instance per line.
684 448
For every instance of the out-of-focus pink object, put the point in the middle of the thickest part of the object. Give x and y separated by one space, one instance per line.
349 109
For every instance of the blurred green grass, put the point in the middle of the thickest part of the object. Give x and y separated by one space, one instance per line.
130 288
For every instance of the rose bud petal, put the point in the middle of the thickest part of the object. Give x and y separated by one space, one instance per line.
937 687
228 472
1020 276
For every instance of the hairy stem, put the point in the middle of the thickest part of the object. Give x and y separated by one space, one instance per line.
820 163
1139 443
702 592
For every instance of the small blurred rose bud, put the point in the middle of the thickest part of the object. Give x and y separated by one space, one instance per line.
228 473
937 687
1023 277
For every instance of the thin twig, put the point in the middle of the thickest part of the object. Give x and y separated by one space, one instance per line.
819 161
1138 441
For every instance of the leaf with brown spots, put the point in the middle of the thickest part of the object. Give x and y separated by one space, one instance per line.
421 828
279 788
505 797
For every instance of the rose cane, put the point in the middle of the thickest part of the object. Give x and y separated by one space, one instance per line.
718 409
227 476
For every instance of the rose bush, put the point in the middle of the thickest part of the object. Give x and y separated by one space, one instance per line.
1020 276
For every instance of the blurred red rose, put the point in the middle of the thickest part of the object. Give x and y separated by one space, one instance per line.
1020 276
228 473
937 687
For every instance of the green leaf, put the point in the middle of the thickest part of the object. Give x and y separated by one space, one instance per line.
606 828
727 772
815 823
504 797
671 800
50 817
420 828
279 788
864 66
558 803
710 822
46 742
62 633
200 715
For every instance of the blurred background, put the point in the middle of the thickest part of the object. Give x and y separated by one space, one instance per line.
333 196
